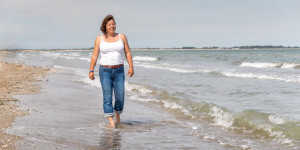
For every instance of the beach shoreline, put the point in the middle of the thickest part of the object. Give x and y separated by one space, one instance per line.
16 79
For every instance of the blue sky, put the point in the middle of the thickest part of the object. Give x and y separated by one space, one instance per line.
49 24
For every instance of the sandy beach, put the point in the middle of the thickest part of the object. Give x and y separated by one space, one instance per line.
16 79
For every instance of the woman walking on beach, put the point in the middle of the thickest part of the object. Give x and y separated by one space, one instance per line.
111 46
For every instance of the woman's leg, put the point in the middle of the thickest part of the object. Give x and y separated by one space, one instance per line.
119 91
106 83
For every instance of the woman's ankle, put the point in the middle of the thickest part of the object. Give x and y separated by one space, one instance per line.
111 122
118 119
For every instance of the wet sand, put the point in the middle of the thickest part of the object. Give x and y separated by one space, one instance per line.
16 79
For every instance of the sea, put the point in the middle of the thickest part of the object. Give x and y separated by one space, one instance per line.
177 99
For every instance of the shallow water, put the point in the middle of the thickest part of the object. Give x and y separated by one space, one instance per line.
68 115
216 99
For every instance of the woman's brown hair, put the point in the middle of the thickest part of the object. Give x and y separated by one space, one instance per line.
104 22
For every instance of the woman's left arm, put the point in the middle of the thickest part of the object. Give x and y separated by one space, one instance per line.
128 55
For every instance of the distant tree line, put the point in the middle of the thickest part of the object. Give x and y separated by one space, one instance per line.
185 47
263 46
238 47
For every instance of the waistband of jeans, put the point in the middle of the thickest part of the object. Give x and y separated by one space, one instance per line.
114 66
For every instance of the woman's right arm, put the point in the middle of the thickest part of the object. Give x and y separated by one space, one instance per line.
94 57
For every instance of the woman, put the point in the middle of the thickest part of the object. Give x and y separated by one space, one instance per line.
111 46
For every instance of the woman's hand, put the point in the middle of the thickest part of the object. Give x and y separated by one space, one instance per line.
130 72
91 75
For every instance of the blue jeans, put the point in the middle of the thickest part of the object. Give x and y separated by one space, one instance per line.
112 79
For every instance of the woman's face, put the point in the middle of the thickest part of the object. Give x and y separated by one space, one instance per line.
110 26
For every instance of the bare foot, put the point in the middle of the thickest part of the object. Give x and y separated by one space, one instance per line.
118 120
111 122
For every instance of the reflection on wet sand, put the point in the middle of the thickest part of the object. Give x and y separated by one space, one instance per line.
110 139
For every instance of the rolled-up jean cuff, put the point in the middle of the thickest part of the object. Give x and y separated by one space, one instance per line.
118 112
109 114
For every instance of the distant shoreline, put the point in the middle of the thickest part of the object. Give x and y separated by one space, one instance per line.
142 49
199 49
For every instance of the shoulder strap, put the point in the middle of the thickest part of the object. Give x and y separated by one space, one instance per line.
102 38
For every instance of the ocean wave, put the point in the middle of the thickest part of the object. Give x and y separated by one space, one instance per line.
260 76
276 119
64 68
145 58
86 59
135 97
87 80
250 122
264 125
141 89
68 56
221 117
270 65
74 70
290 65
169 67
82 73
215 72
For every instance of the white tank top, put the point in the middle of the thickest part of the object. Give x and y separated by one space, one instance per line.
111 53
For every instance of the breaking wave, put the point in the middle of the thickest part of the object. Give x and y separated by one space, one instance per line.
249 122
166 66
145 58
270 65
260 76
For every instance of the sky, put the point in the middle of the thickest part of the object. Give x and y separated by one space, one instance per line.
47 24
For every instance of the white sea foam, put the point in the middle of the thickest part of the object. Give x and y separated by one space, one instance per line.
77 71
22 54
170 68
83 73
84 58
69 56
64 68
278 136
276 120
221 118
75 54
135 97
137 88
142 90
172 105
290 65
269 65
244 147
206 136
260 76
51 55
260 65
87 80
144 58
